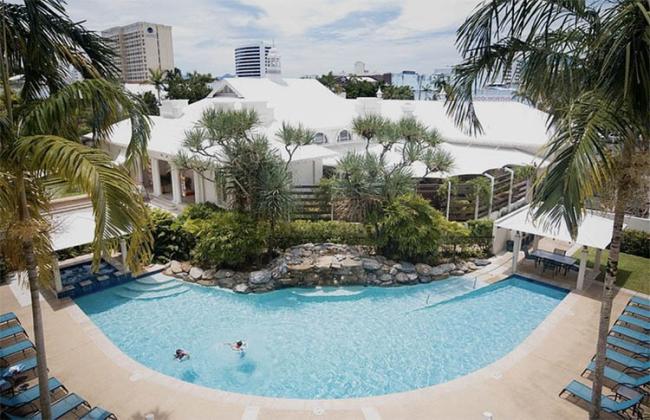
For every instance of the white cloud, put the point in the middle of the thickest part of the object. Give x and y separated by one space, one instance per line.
313 36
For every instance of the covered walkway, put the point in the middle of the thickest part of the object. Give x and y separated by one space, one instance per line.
525 233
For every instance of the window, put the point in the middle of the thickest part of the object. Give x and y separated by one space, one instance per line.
320 138
344 135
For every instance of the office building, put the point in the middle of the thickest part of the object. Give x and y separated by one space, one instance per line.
257 60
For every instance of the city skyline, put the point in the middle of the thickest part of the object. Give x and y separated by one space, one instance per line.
313 38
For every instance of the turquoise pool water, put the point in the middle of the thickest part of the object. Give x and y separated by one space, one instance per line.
321 343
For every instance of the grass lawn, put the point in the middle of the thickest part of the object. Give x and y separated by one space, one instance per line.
633 271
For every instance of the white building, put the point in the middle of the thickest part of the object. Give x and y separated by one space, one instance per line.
513 132
139 47
256 60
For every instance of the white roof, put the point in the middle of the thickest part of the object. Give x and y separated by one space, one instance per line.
73 228
594 231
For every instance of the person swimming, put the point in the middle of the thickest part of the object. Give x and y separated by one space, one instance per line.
181 355
239 346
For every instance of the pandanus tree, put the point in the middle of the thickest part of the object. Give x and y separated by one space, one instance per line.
40 145
587 64
157 77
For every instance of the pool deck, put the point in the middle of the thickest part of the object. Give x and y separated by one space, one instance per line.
522 385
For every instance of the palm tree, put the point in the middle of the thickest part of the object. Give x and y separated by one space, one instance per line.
157 77
39 143
587 64
369 127
293 138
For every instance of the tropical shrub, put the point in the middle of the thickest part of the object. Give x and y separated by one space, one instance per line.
171 240
636 242
199 211
75 251
411 229
305 231
228 239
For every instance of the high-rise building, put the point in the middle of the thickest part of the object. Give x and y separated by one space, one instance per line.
257 60
139 47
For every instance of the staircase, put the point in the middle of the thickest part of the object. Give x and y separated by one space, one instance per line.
151 287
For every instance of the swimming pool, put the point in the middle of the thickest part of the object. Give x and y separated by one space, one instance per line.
321 343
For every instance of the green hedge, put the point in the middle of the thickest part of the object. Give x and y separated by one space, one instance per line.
171 240
636 242
305 231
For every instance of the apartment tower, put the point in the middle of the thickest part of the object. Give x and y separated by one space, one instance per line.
257 60
139 47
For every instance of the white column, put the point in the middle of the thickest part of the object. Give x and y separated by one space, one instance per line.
599 254
58 285
512 183
155 174
516 248
139 176
124 251
448 198
491 178
536 242
176 185
198 187
583 268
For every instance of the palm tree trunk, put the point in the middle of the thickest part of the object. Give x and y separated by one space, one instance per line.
32 275
606 303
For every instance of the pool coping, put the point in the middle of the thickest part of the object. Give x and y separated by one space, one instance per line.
492 371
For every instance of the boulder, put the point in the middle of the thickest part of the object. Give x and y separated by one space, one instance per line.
446 267
370 264
207 282
402 278
423 269
425 279
168 272
208 274
196 273
413 277
223 274
386 278
481 262
456 272
260 277
437 271
405 267
176 267
279 270
186 266
471 266
241 288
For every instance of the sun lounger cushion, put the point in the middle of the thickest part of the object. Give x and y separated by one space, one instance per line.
634 321
627 361
23 365
9 316
29 395
634 348
644 338
637 310
98 413
11 331
622 378
637 300
15 348
583 392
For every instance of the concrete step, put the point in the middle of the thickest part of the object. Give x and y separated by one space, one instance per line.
130 294
157 278
148 287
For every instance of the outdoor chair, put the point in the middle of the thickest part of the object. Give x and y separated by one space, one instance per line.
30 395
607 404
12 332
9 316
19 347
98 413
629 363
630 320
620 378
60 408
559 251
636 310
24 366
630 333
636 350
548 264
530 257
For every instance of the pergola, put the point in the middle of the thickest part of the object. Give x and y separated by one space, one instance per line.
74 228
594 231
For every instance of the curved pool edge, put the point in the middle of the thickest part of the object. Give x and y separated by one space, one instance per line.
493 371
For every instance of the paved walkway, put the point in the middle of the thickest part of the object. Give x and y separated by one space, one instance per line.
522 385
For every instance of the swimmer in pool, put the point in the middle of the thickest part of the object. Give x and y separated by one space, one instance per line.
239 346
181 355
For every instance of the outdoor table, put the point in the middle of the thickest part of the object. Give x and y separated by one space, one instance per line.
561 260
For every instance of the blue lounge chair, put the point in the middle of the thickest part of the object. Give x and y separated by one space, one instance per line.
607 404
627 361
635 335
636 310
619 377
98 413
634 321
636 349
11 332
30 394
60 408
18 347
9 316
25 366
639 301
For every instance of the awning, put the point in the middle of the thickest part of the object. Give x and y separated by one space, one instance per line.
594 231
121 158
73 228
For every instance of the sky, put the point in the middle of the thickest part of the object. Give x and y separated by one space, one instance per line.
312 36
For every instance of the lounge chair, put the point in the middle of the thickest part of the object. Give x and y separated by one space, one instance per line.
627 332
98 413
639 301
637 310
634 321
11 332
30 395
621 378
60 408
25 366
9 316
627 361
18 347
607 403
636 349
